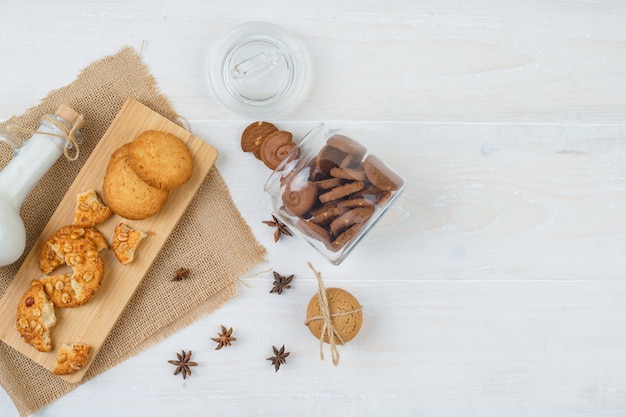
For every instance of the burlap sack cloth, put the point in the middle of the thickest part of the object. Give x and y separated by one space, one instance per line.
212 239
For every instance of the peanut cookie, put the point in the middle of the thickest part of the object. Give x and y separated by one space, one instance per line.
161 160
125 242
35 317
345 311
90 211
253 136
77 288
125 193
71 358
68 239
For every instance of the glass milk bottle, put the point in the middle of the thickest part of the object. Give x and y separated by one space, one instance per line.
31 161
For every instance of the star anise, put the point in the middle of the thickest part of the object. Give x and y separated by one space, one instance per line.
279 358
181 274
224 338
183 363
281 228
281 282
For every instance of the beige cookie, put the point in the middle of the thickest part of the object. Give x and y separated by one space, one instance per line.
125 242
68 239
345 311
71 358
160 159
35 317
125 193
90 211
77 288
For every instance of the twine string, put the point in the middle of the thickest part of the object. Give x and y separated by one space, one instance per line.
328 328
71 141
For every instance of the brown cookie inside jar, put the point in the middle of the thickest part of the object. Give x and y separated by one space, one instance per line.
347 202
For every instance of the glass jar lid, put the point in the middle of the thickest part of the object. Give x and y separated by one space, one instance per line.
257 69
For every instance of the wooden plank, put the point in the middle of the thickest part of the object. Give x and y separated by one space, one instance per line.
92 322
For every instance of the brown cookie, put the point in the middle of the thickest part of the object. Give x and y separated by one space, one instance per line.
329 183
71 358
77 288
328 158
275 148
314 231
125 193
125 242
345 237
381 175
348 173
68 239
347 146
160 159
341 191
299 199
326 213
346 315
253 136
357 215
36 317
354 203
90 211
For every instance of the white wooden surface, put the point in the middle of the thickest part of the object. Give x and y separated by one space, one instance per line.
496 286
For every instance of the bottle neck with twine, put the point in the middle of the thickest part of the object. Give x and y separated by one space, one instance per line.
70 133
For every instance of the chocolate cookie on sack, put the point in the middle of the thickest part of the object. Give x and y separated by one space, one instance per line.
160 159
35 317
125 193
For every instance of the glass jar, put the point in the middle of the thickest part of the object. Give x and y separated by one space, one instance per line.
331 191
257 69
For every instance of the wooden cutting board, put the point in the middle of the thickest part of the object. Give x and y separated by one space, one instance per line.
92 322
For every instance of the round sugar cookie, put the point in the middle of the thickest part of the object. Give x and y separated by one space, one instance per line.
160 159
339 302
125 193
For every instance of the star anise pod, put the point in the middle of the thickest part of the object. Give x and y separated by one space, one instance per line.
183 363
281 228
181 274
281 282
224 338
279 358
